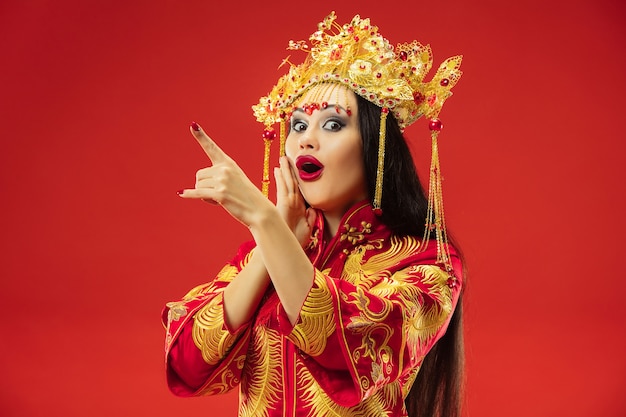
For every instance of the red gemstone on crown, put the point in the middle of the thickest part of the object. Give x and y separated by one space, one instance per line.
403 55
444 82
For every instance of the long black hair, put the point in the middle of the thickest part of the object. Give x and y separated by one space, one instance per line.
437 391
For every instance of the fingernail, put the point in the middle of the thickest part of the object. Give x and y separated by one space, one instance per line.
195 126
179 192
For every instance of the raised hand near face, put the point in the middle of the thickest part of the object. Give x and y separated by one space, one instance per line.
290 203
225 183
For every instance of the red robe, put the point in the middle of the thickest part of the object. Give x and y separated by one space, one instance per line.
378 304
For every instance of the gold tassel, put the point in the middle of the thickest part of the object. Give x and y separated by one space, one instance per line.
378 190
283 136
435 217
268 136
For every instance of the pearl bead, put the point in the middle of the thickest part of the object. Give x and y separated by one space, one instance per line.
435 124
269 134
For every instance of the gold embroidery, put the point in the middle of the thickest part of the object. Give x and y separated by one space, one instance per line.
176 310
207 328
317 319
408 384
425 318
424 297
375 338
363 302
209 334
400 248
377 403
353 235
263 379
353 267
314 240
226 275
228 380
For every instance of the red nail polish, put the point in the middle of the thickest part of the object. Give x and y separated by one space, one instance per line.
179 192
195 126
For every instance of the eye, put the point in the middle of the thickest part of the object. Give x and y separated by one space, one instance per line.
298 125
333 125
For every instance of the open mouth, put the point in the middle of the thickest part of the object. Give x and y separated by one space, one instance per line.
309 168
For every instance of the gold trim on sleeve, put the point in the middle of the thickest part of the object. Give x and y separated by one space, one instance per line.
209 333
317 319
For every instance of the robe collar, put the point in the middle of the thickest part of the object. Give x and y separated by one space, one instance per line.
358 226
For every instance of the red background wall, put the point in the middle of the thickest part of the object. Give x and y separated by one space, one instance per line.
95 103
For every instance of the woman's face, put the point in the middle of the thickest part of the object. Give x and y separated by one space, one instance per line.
325 149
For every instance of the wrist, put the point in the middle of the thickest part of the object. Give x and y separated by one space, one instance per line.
265 216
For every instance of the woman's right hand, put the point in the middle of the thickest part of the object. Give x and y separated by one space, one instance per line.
225 183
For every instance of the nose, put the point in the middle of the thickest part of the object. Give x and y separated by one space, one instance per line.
308 139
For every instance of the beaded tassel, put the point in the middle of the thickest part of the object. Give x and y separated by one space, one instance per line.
435 217
283 136
378 191
268 136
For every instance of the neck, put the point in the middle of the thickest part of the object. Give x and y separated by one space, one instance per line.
332 225
333 221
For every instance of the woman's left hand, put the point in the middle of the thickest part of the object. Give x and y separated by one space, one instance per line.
290 203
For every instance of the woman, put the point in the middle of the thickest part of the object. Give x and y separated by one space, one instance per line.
349 281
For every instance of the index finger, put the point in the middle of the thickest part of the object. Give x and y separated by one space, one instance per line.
214 152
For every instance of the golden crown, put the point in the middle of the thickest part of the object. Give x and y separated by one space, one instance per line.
357 56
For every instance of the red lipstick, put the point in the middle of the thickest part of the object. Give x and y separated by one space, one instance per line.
309 168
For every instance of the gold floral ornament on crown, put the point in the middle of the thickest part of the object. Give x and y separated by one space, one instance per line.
357 56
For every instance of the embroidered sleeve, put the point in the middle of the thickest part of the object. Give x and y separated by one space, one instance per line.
317 319
203 356
383 324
